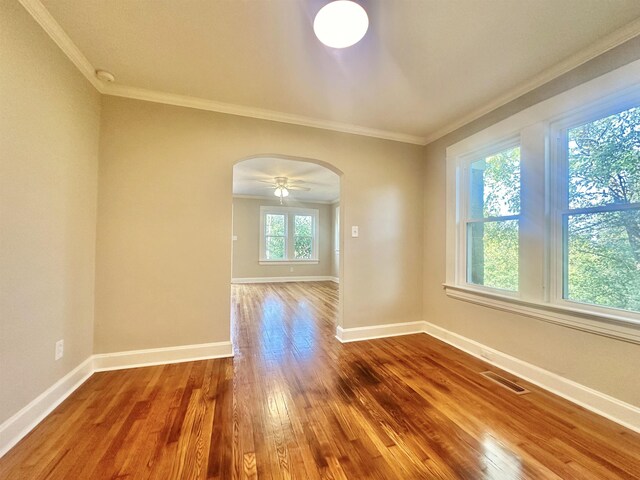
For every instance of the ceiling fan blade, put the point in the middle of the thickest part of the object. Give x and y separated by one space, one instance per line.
295 187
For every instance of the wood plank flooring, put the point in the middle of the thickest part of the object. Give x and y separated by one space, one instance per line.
295 403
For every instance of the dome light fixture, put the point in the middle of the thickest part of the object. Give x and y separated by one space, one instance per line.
341 23
281 192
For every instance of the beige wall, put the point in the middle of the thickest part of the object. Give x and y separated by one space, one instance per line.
246 249
601 363
164 221
49 126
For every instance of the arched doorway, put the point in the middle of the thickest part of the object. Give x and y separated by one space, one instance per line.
286 252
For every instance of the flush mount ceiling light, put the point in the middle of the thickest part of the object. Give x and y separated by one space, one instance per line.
341 24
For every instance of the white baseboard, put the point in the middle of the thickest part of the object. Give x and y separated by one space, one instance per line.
283 279
335 279
22 422
602 404
160 356
19 425
609 407
357 334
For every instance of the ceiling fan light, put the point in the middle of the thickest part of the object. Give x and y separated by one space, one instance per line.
281 192
341 23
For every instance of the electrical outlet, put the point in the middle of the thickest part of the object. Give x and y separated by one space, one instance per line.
59 349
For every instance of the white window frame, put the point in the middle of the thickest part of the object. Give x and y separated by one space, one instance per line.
558 195
290 213
464 197
540 276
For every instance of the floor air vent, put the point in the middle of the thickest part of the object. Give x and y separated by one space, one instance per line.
514 387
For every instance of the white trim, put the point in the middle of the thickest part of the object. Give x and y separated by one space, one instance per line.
42 16
576 318
335 279
259 113
21 423
59 36
557 185
603 45
309 278
289 262
604 405
161 356
609 407
620 82
357 334
535 297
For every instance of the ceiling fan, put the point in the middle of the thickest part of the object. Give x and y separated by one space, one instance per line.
282 185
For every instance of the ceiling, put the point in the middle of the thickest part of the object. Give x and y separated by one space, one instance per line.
423 66
247 176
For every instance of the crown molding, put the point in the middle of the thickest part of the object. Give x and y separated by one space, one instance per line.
42 16
604 44
262 114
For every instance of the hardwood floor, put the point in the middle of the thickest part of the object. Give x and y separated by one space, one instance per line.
295 403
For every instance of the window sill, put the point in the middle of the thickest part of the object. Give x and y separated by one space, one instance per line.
607 325
289 262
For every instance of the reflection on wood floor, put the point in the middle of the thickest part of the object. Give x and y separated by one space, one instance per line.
295 403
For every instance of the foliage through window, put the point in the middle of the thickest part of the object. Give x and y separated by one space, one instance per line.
601 215
543 211
288 234
493 220
275 236
303 237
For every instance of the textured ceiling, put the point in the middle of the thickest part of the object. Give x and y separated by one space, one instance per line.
422 65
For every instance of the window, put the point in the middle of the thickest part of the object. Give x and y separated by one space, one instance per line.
303 237
599 210
275 234
543 211
493 212
288 235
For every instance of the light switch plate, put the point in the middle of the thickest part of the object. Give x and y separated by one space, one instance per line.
59 349
354 231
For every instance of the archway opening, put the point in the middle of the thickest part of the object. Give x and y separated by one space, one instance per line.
286 256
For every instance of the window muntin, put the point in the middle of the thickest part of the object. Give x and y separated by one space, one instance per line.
600 211
288 234
492 225
545 218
